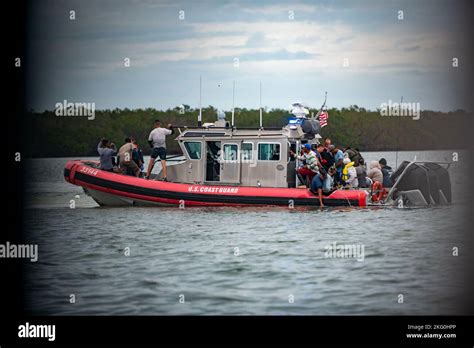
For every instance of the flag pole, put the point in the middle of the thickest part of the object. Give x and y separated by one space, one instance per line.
324 104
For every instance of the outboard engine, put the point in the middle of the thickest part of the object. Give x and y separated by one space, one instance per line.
444 182
421 184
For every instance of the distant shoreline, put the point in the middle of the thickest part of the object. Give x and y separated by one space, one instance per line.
47 135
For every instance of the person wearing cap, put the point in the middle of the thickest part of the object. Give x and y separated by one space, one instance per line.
310 164
386 172
349 174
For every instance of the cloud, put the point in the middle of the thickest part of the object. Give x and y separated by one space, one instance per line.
270 10
364 50
91 50
412 48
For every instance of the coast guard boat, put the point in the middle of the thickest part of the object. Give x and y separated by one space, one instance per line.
223 165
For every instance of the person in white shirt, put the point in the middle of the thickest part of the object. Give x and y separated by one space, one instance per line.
157 141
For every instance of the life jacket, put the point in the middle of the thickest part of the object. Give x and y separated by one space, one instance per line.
345 171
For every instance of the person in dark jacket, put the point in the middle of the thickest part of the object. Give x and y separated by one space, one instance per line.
327 158
361 171
387 173
137 156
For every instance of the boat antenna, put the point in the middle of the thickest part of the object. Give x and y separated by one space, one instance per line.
233 102
398 138
260 105
200 104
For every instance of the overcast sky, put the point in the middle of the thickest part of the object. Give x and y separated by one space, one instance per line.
296 50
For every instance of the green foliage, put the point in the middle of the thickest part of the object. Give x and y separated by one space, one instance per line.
53 136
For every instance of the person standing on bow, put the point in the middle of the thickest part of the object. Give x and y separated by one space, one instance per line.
157 141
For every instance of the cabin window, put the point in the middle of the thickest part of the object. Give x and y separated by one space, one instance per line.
193 149
230 152
268 152
247 149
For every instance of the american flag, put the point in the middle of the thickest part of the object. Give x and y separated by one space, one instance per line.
323 118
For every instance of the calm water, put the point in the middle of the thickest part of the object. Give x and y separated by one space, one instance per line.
280 255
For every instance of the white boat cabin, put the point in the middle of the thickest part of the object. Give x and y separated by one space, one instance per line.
219 154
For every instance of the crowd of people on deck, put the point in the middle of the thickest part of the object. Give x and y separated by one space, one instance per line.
128 159
327 167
